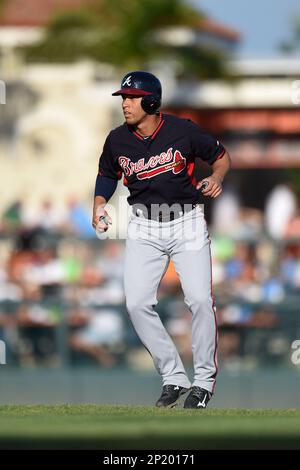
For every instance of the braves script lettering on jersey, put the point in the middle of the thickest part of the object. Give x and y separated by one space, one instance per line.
178 163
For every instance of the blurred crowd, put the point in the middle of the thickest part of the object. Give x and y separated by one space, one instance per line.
61 289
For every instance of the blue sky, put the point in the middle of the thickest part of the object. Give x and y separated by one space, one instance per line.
263 23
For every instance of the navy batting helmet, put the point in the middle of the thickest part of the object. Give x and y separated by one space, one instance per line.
144 84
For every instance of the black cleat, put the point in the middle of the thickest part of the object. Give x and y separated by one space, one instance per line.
197 398
171 396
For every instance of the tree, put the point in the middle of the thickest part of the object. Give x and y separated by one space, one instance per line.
292 45
124 33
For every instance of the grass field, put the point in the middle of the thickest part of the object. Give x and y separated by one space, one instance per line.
129 427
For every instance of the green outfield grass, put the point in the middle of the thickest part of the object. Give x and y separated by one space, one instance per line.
137 427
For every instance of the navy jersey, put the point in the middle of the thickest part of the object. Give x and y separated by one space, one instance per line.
159 169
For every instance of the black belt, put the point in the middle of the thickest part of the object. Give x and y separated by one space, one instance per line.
165 214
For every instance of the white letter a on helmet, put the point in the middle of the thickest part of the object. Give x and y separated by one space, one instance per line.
127 81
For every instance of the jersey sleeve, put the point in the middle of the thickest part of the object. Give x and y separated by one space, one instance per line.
105 187
108 165
205 146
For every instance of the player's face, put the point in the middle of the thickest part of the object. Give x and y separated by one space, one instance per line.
132 109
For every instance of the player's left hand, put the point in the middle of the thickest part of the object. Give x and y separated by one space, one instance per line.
213 188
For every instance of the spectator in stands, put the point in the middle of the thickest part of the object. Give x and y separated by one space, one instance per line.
292 228
101 338
280 206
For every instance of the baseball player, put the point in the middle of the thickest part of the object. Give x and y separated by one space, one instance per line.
156 155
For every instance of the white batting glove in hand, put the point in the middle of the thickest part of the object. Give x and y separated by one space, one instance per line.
104 220
202 185
210 186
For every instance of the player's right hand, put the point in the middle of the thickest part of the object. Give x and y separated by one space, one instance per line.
210 186
101 219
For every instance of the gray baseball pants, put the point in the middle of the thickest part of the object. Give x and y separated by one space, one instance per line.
149 247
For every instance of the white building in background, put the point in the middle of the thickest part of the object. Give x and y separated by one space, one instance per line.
50 142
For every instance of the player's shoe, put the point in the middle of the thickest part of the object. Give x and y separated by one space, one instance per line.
171 396
197 398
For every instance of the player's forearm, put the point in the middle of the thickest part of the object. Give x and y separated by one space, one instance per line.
221 167
105 187
100 201
98 212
